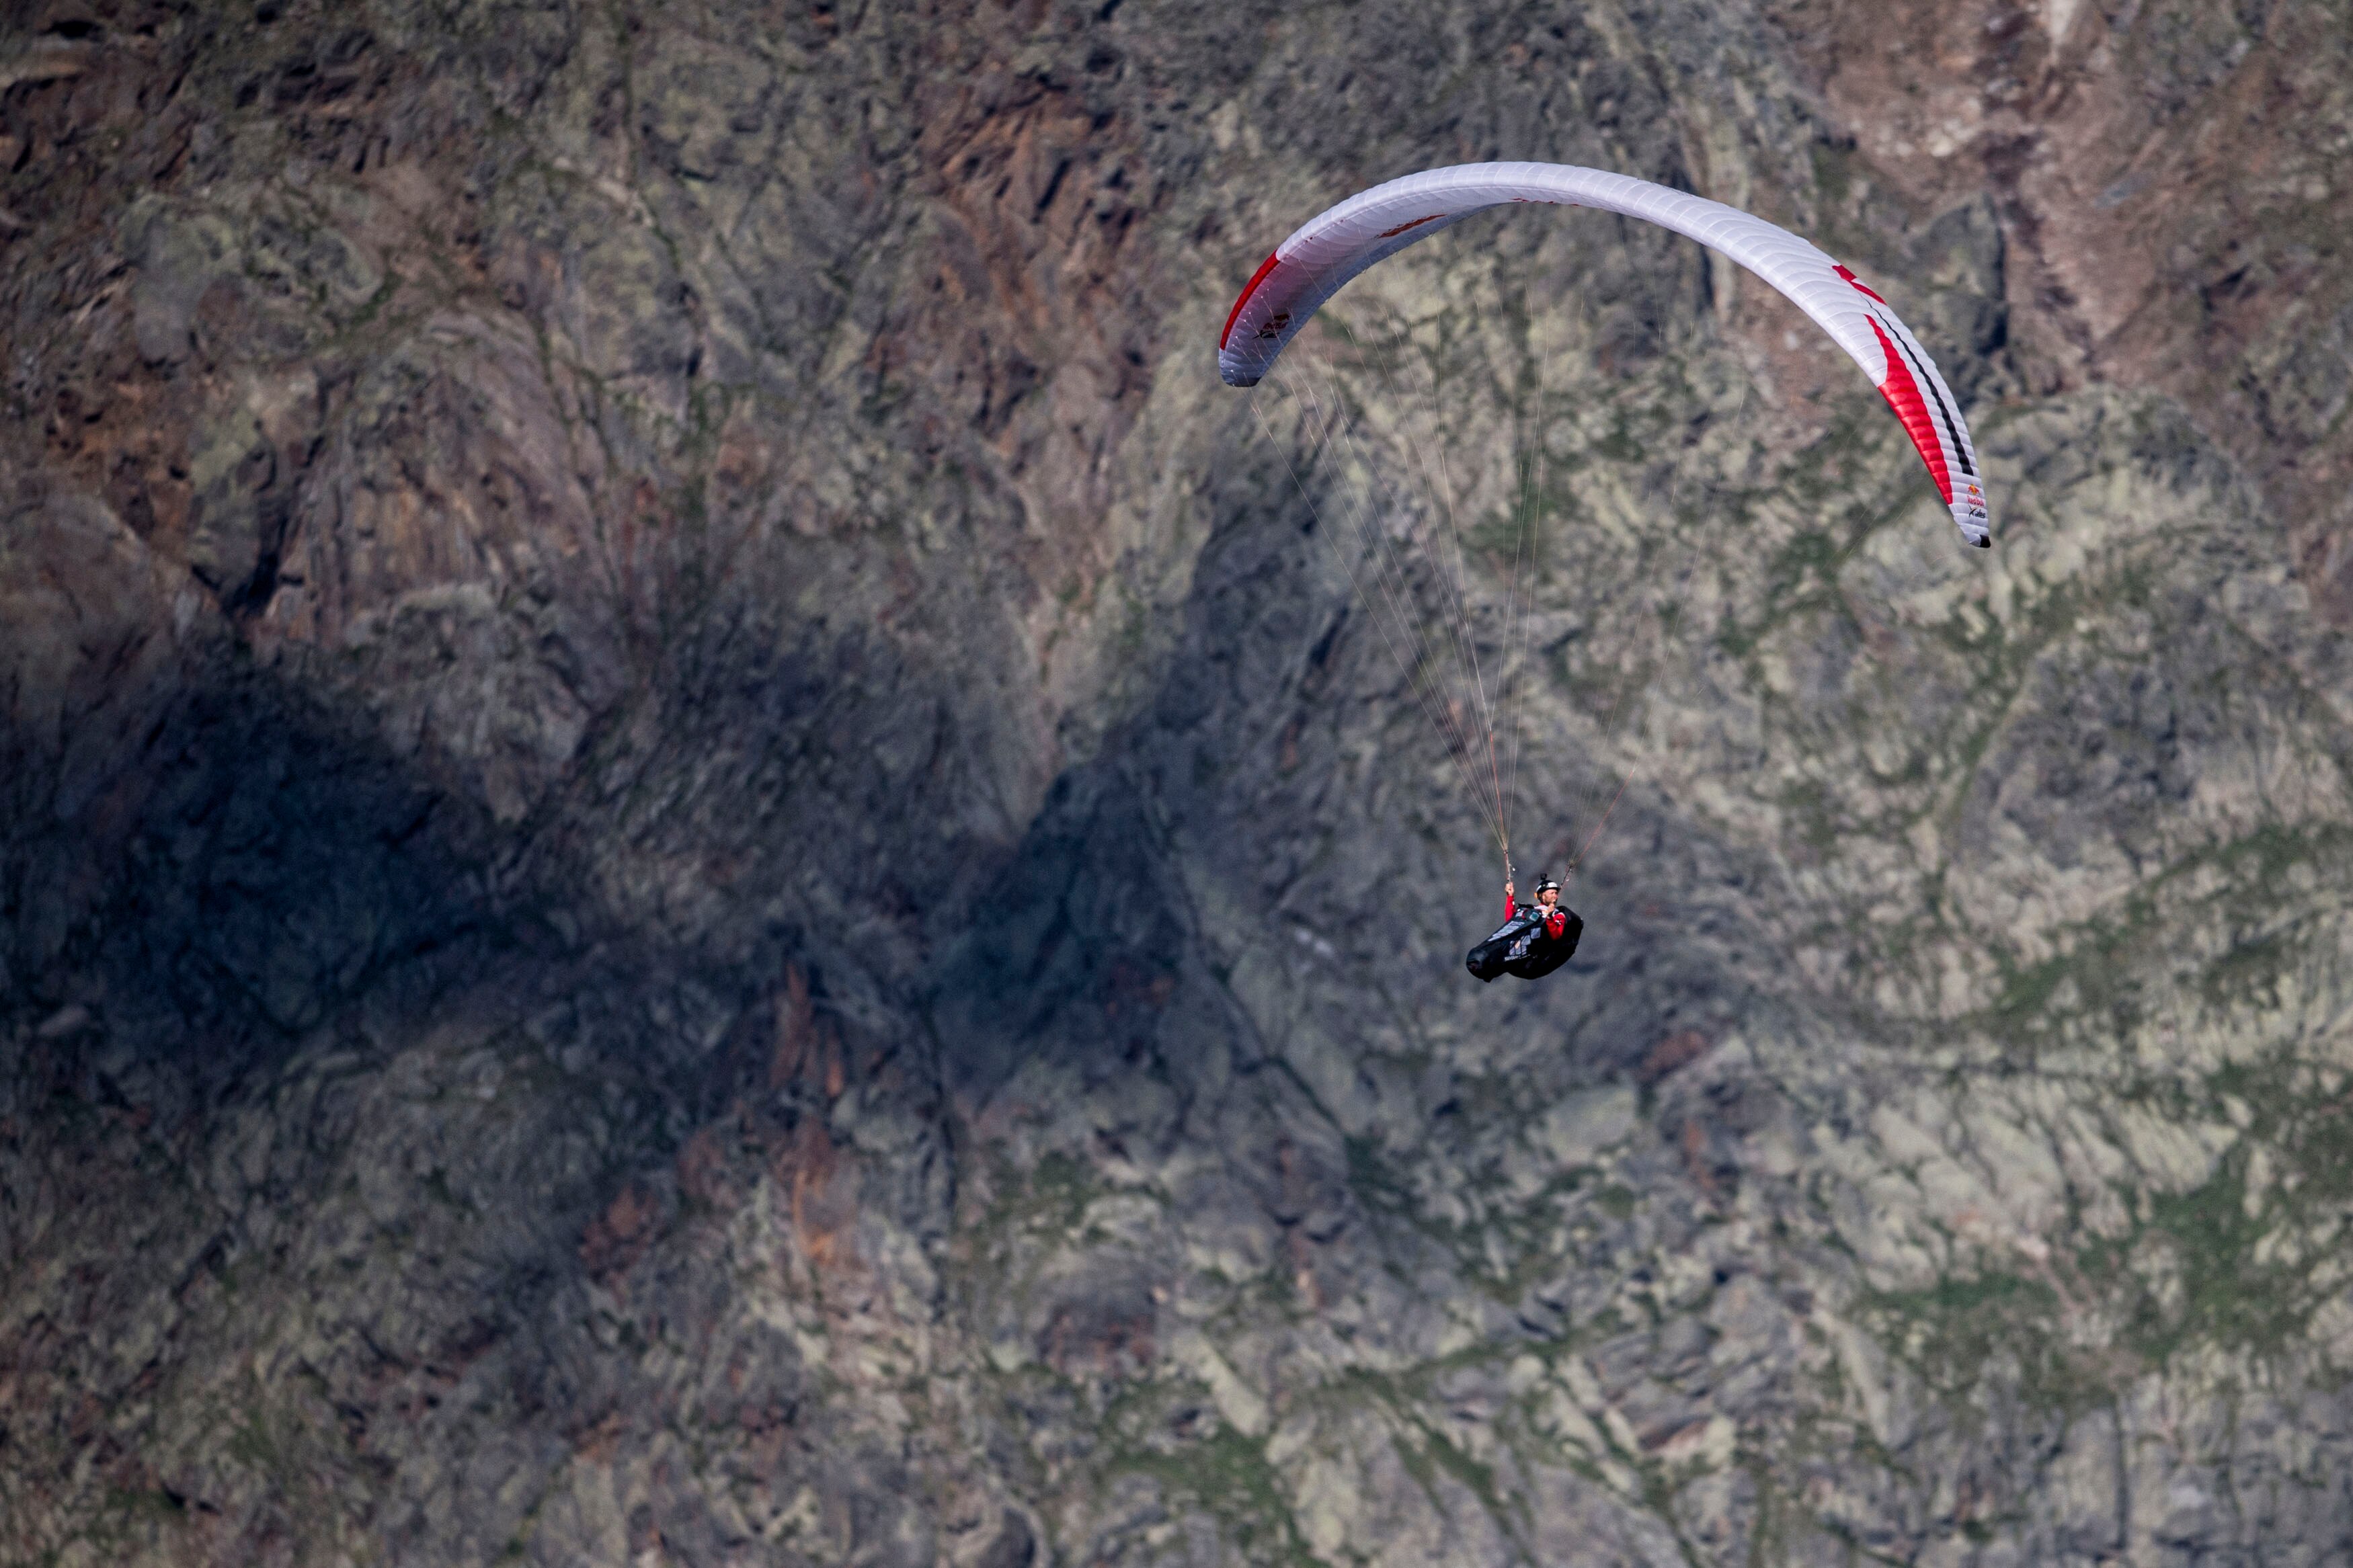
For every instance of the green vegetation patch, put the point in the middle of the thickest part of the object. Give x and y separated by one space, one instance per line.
1227 1475
2110 957
2223 1285
1952 1333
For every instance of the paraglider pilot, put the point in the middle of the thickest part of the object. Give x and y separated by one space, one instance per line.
1548 900
1534 941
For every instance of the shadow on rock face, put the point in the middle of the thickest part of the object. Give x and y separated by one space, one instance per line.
1073 955
283 1030
1246 868
195 850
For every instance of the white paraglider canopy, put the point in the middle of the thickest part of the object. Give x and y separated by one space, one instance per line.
1310 267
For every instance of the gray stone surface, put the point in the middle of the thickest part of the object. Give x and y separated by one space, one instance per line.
702 862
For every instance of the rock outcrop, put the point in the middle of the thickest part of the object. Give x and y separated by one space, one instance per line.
702 865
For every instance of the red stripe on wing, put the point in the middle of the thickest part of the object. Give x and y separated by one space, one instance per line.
1902 394
1860 286
1243 298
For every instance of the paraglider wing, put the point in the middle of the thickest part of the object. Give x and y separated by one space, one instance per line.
1334 247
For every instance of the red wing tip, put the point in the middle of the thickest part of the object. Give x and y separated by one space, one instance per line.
1243 298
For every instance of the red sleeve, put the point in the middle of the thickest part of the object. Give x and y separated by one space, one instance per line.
1510 909
1556 922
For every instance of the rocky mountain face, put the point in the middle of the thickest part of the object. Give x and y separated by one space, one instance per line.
701 864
